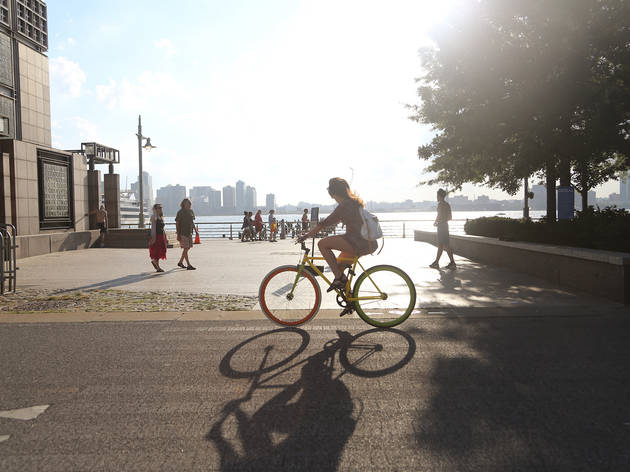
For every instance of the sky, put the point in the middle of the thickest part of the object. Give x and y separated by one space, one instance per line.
281 94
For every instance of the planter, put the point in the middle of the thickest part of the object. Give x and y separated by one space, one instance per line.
602 273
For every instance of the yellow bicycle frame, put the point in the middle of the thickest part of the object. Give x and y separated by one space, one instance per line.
354 261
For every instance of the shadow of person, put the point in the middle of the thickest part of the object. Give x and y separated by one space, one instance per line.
118 282
303 427
448 280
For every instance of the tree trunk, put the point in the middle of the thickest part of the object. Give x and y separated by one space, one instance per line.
551 193
584 193
564 172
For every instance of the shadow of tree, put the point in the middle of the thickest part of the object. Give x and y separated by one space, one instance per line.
525 394
473 283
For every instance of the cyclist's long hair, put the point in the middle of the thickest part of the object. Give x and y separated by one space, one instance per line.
340 188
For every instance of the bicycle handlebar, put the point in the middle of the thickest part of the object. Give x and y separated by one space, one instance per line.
303 246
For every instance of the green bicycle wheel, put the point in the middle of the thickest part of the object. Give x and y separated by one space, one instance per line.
385 296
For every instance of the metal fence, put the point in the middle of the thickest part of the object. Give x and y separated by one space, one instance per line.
8 267
391 228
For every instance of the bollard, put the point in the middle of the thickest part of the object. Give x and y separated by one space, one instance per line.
403 229
231 233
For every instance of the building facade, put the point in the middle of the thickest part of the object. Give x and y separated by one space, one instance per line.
240 195
42 190
147 190
270 201
171 198
229 198
215 200
624 190
251 200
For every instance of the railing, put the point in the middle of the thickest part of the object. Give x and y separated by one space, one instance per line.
391 228
8 259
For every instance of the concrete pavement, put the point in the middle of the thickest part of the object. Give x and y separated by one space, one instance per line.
232 267
439 394
496 371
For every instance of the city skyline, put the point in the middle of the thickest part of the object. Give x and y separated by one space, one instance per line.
213 200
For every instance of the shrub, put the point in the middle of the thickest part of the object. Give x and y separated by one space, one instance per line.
607 229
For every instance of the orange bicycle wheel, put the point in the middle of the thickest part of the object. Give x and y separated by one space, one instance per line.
287 299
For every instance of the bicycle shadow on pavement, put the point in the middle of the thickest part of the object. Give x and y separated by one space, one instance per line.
306 425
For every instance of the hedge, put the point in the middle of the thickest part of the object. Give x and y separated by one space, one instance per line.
607 229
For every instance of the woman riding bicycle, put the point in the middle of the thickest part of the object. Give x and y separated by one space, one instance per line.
350 244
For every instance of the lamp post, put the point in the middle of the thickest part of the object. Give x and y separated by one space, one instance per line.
148 146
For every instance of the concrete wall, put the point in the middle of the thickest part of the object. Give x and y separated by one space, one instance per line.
601 273
111 184
5 189
81 219
38 244
127 238
26 187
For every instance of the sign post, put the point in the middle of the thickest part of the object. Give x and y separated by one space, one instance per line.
566 203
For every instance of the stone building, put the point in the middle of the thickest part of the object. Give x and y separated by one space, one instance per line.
47 194
251 200
171 198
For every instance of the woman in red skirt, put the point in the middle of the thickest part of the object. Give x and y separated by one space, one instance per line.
157 243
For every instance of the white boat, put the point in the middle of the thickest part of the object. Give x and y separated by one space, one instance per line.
130 210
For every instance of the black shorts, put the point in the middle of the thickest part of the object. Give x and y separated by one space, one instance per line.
102 227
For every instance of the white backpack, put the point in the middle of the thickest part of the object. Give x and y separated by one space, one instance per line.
370 229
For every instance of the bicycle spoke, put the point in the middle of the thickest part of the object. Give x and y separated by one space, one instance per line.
385 296
286 301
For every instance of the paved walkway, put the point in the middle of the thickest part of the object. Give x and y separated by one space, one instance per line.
235 268
497 371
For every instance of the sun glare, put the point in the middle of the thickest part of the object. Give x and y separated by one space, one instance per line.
437 10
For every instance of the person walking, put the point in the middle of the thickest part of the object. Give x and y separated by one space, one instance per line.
157 241
185 226
258 223
441 221
305 220
273 226
351 243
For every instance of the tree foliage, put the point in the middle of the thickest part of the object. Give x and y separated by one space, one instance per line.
514 88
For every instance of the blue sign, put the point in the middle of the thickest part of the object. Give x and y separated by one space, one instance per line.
566 203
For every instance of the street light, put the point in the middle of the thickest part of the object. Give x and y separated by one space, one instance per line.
148 146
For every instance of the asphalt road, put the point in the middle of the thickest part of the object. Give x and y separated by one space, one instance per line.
460 391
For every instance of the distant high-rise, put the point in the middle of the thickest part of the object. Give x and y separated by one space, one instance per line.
171 197
624 189
250 198
270 202
539 202
229 197
215 199
240 195
590 199
147 189
200 199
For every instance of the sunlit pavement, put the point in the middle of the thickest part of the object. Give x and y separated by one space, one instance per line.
486 394
497 371
232 267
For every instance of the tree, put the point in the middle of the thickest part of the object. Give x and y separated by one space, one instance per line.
521 87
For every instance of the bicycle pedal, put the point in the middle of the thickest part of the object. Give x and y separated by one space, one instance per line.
346 311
